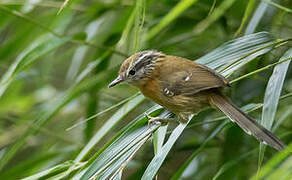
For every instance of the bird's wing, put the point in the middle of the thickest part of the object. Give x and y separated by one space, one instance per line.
187 78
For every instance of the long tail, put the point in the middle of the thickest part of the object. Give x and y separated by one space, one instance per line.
250 126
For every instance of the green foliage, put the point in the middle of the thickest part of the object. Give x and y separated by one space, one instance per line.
59 121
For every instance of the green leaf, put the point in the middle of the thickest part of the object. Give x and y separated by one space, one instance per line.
273 90
138 27
213 17
98 81
110 123
158 159
272 95
256 18
274 163
171 16
278 6
40 159
120 147
39 48
247 12
225 167
234 54
181 170
121 162
99 27
158 138
50 171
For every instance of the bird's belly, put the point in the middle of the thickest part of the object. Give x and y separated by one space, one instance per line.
185 104
179 104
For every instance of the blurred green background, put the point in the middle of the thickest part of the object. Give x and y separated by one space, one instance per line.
56 64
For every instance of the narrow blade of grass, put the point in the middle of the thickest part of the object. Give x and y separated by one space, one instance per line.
273 163
225 167
257 16
158 138
119 140
283 171
63 6
181 170
109 124
272 95
138 27
171 16
132 135
216 14
278 6
98 27
51 171
39 48
54 106
247 13
274 89
119 164
159 158
236 53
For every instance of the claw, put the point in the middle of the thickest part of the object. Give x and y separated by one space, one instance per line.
155 120
148 116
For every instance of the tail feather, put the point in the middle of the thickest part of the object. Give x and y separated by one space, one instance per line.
250 126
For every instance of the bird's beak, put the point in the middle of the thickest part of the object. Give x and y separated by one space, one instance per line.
118 80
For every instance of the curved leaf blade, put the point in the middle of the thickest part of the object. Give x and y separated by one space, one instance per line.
181 170
124 142
173 14
41 47
234 54
109 124
159 158
272 96
54 106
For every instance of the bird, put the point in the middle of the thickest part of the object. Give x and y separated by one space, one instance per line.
185 87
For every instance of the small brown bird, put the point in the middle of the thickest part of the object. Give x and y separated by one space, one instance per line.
185 87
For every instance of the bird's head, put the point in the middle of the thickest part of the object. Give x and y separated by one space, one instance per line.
137 68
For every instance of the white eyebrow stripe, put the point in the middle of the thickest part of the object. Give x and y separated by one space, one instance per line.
142 57
139 60
148 53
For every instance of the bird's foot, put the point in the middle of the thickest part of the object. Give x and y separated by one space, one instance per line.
158 120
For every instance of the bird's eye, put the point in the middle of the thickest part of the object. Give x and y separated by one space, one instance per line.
132 72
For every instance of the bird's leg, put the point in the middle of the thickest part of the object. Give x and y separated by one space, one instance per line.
163 121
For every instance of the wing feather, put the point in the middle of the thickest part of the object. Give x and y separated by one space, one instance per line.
187 78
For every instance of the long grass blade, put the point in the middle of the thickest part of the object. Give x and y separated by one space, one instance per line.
272 95
120 147
247 13
236 53
215 15
181 170
256 18
54 106
273 163
41 47
158 159
63 6
225 167
52 171
171 16
119 115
